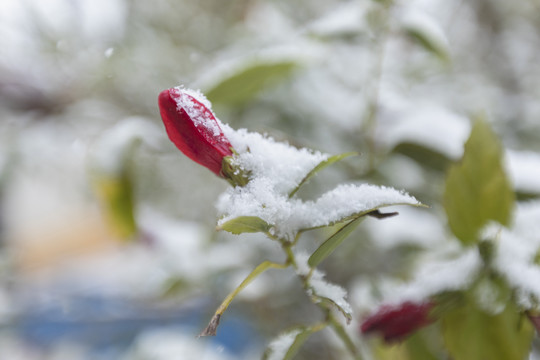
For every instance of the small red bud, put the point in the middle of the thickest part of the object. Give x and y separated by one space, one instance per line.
395 323
193 128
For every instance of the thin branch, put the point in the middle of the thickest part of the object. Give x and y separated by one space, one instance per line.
211 329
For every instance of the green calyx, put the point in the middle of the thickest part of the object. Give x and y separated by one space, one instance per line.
233 173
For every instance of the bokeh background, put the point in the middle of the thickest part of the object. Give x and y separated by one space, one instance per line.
108 248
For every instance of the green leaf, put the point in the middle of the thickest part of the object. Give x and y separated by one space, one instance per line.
477 189
249 80
245 224
323 164
472 334
332 243
420 348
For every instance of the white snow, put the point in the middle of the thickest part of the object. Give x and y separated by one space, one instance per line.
431 126
438 275
110 151
524 170
453 268
280 345
319 287
346 18
324 289
275 170
109 52
174 344
413 226
183 247
288 216
447 269
284 165
417 20
516 251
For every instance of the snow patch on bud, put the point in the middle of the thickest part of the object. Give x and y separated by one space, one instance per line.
200 110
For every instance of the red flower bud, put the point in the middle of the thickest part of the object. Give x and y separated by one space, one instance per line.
193 128
395 323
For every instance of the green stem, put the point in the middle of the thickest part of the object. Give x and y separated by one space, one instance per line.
331 320
370 123
210 330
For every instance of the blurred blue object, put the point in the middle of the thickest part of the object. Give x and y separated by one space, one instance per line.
108 326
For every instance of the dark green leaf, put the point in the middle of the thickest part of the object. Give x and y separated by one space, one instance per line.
477 189
323 164
248 81
245 224
332 243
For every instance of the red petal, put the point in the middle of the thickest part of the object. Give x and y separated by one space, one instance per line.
194 130
396 322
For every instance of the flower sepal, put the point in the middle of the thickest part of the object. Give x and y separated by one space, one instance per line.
235 175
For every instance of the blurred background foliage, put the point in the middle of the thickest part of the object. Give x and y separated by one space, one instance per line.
108 248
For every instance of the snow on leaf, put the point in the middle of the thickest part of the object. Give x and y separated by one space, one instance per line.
452 269
347 19
279 347
275 170
524 170
286 345
322 290
427 126
323 164
427 33
516 253
288 216
284 165
238 80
